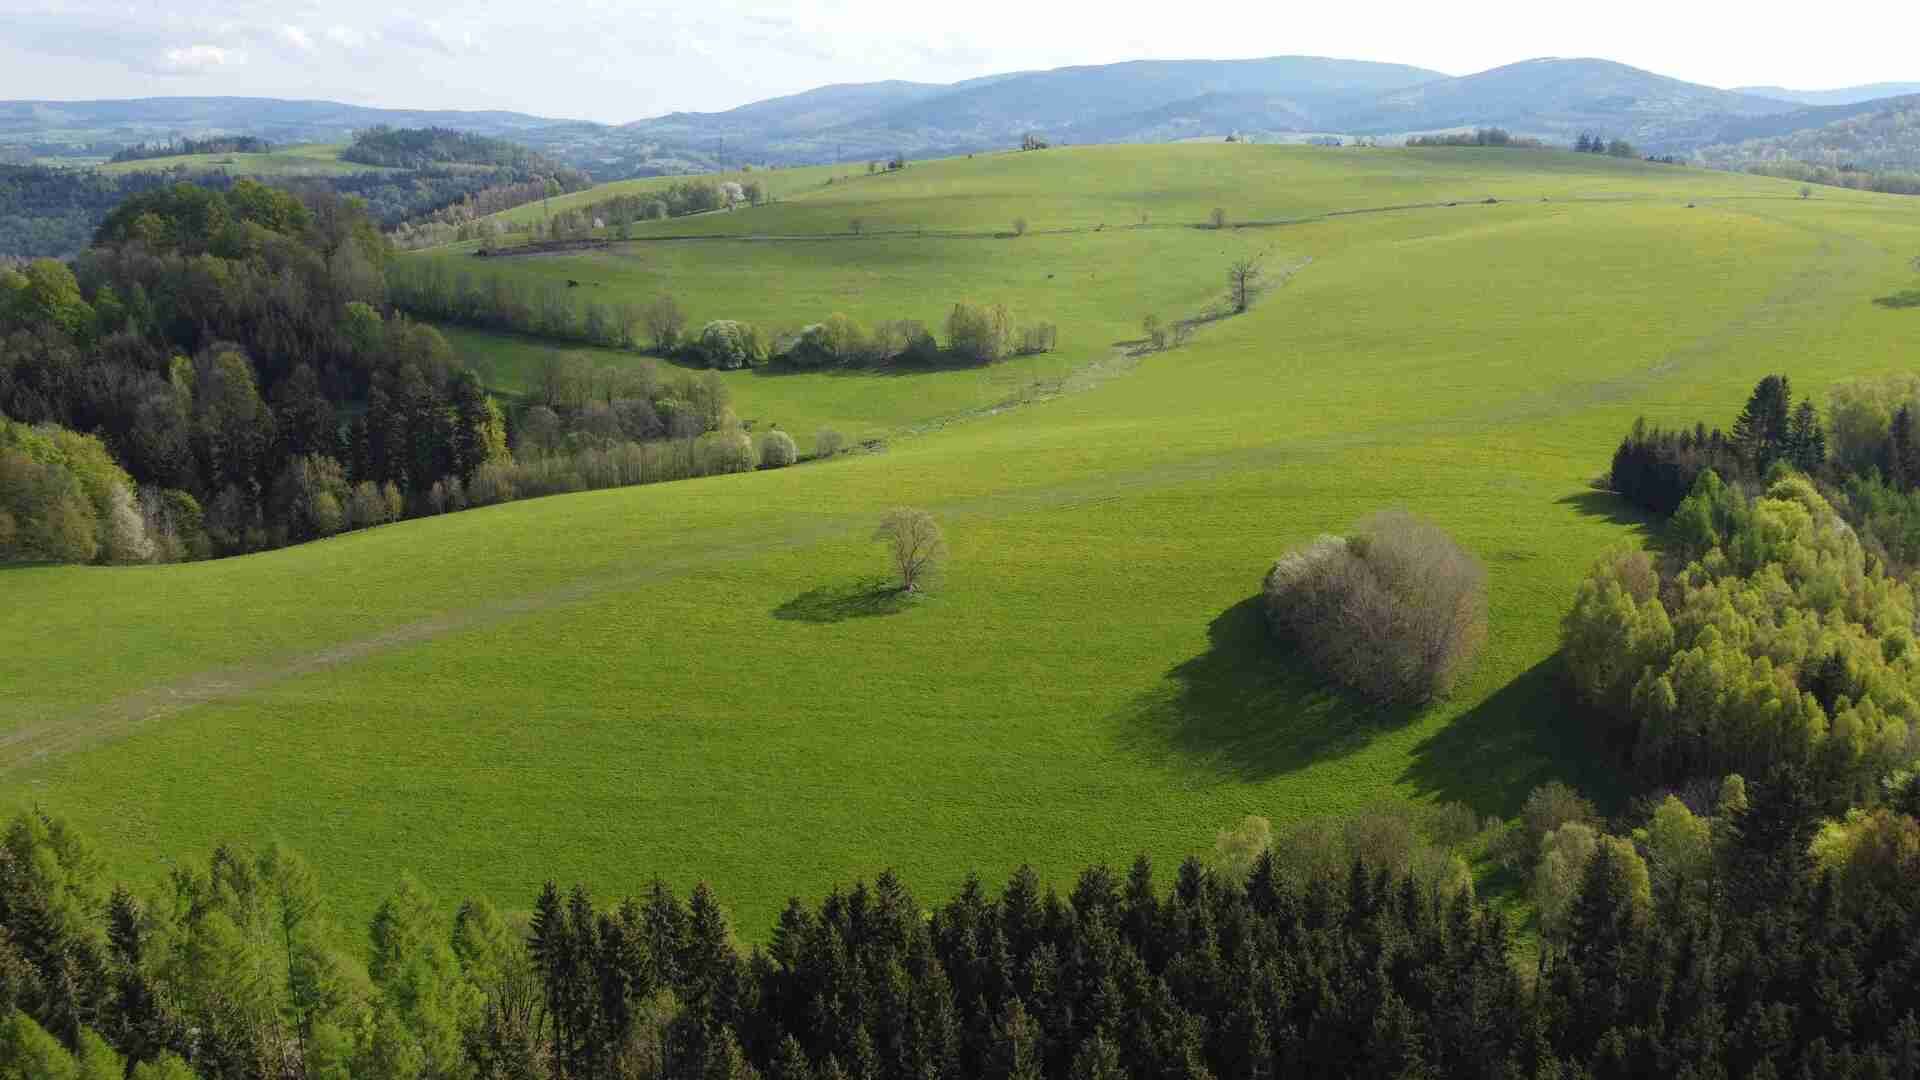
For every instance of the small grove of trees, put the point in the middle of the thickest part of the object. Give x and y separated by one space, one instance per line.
1591 143
915 546
219 144
1397 611
1768 637
1656 468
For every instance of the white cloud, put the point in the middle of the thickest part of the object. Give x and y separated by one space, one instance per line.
347 37
296 37
197 59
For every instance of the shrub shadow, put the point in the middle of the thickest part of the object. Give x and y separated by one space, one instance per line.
1250 709
1528 732
1908 299
861 599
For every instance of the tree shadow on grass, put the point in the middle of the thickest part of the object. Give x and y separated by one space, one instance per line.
1611 508
1529 732
861 599
1908 299
1250 709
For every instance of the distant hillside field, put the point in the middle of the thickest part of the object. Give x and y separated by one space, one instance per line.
693 679
311 160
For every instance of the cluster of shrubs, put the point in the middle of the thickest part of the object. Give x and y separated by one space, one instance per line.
1397 611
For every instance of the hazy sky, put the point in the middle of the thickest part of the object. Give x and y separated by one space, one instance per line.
615 61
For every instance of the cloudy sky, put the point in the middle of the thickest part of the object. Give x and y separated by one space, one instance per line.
619 60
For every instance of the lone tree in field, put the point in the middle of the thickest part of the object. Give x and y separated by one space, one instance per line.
857 226
1241 278
1218 218
914 545
1019 226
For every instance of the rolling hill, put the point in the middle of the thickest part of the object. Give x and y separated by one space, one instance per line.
688 679
1138 101
1561 98
1880 136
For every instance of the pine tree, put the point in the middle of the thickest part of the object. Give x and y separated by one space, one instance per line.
1807 440
1760 432
1097 1059
1015 1053
790 1062
1903 450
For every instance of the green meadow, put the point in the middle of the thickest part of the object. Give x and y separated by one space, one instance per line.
314 159
697 680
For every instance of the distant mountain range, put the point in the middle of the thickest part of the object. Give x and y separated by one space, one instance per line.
1851 95
1287 97
1884 139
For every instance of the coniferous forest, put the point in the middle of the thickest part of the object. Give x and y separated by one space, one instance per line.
1734 952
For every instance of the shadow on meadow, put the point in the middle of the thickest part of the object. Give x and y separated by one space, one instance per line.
1908 299
1249 710
861 599
1527 733
1612 509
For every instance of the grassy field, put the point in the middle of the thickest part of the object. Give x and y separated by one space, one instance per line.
309 160
777 183
696 680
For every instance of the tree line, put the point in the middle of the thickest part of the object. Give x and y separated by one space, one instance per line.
975 333
222 372
1478 137
219 144
1749 937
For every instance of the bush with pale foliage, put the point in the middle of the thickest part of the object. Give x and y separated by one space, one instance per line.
828 443
1397 611
777 450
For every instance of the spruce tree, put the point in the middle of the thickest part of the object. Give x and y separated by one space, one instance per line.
1760 431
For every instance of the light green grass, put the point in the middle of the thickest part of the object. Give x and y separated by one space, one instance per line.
777 183
685 679
308 160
